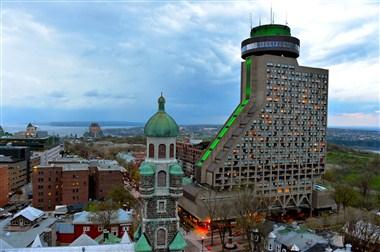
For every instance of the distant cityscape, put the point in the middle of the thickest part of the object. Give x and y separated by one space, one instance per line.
272 178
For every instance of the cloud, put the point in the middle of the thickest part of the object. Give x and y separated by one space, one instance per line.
355 120
124 54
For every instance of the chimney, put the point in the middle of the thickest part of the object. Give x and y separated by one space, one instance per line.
105 235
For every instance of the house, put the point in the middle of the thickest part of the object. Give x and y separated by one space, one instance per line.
25 219
88 223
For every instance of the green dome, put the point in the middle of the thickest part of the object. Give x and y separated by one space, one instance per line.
161 124
176 169
146 169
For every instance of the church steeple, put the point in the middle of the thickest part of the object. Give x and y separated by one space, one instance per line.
160 186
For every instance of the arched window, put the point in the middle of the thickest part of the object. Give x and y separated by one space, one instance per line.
161 237
161 178
171 152
162 151
151 150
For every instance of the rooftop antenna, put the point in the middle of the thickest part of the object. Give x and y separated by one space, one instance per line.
271 16
286 18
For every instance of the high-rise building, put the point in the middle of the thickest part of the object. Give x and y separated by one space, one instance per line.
275 139
160 186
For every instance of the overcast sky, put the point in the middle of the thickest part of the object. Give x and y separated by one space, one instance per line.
83 60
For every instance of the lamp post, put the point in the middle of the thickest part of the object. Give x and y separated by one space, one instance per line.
202 243
255 237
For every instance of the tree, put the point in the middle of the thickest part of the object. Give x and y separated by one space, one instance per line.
104 212
210 203
344 195
362 230
122 197
248 217
222 223
364 185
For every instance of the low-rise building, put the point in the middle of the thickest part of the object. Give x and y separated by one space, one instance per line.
26 218
90 223
21 230
188 153
4 189
74 181
17 172
107 175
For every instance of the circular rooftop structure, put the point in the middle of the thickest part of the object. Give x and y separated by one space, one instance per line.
272 39
161 124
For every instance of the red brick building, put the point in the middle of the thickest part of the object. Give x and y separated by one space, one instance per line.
108 175
4 190
73 182
189 153
47 187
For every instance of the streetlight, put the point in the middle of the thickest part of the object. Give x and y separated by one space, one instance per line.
202 243
255 237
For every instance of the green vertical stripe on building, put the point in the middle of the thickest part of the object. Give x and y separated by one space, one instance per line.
248 64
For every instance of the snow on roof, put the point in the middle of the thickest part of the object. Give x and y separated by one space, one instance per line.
120 216
29 213
126 239
37 243
4 244
83 240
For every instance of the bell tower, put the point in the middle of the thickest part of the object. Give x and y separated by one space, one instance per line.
160 186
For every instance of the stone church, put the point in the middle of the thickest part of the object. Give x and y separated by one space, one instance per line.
160 187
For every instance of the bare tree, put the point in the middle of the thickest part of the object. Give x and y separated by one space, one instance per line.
104 212
210 203
223 220
362 230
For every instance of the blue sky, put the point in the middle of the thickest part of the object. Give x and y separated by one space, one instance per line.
83 60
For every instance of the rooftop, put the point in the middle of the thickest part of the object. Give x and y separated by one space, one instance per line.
107 165
24 238
121 216
29 213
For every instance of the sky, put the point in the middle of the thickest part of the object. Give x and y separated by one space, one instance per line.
109 61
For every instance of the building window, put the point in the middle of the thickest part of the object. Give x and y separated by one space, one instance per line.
162 151
86 228
161 179
171 150
114 231
151 150
100 228
161 237
161 206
